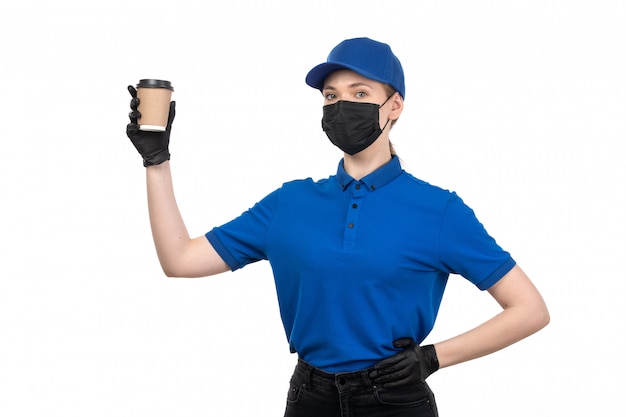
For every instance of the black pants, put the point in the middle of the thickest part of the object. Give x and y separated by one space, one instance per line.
314 393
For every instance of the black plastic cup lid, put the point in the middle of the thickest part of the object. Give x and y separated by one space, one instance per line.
152 83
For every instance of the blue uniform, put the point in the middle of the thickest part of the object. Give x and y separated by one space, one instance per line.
358 264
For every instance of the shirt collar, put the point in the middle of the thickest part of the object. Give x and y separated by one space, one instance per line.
374 180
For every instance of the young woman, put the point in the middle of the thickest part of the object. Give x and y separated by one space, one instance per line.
360 259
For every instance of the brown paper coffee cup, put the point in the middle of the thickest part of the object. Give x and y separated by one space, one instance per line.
154 104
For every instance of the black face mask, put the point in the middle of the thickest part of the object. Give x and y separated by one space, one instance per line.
352 126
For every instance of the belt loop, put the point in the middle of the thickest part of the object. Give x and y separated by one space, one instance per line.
365 375
308 370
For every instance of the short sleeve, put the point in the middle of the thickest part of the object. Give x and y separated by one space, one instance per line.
467 249
242 240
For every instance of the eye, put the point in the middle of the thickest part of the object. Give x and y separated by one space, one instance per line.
361 94
330 96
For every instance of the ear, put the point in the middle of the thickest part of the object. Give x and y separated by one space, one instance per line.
397 105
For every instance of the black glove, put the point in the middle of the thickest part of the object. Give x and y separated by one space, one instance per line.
153 146
414 364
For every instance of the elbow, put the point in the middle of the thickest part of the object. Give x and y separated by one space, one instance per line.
531 319
539 318
181 270
543 313
544 319
172 271
170 274
174 266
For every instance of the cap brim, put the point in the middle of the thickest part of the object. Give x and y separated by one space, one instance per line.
315 78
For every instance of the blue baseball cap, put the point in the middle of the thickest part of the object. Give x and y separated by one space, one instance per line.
366 57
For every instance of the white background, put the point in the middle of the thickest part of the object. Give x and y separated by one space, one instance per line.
519 106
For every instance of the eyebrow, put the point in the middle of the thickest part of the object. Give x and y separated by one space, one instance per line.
353 85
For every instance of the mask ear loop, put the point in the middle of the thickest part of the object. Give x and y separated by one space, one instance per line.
385 102
383 129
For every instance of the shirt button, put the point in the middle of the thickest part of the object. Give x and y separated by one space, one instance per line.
358 186
354 205
351 225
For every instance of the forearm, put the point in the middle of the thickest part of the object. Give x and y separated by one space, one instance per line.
179 255
168 228
503 330
524 313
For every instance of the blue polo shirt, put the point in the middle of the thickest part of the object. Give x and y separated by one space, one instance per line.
359 264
